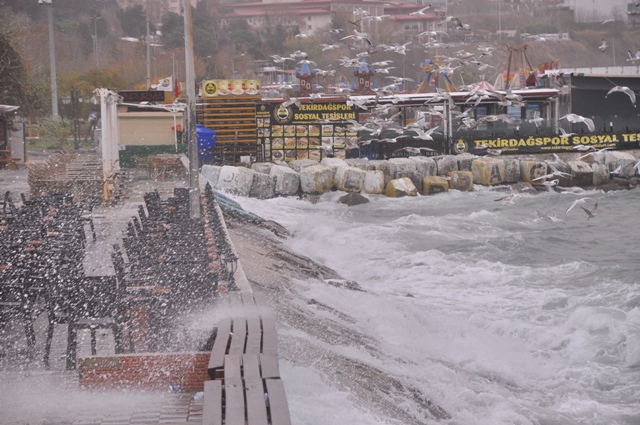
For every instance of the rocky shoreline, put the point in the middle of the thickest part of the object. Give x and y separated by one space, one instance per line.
306 328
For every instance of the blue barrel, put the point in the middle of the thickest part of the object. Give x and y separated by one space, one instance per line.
206 144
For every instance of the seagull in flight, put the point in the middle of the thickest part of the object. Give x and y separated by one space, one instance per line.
574 118
592 212
626 90
576 202
563 132
421 11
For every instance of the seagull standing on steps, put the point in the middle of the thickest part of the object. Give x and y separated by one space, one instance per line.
603 46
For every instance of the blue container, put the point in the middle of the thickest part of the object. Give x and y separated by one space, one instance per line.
206 144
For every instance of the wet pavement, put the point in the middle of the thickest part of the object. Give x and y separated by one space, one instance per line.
30 393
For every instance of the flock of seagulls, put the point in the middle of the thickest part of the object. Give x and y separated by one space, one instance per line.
476 59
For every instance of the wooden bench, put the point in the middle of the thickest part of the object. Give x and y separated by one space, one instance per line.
244 360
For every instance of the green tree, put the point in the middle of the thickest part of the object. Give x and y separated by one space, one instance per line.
133 21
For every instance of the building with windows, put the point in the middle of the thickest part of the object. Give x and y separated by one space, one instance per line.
601 10
313 15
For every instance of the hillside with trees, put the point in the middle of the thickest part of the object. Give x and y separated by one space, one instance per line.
120 35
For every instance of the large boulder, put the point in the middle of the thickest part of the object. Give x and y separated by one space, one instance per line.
263 187
349 179
287 180
300 164
316 179
211 174
398 188
374 182
488 171
353 198
236 180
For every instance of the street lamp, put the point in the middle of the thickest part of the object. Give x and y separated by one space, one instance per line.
52 60
230 261
233 64
95 39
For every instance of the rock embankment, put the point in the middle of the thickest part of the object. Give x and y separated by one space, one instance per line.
396 177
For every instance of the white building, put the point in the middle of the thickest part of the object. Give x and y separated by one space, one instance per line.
600 10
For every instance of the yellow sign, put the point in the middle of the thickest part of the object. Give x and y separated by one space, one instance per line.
209 88
213 88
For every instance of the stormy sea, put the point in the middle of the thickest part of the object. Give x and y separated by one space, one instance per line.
499 309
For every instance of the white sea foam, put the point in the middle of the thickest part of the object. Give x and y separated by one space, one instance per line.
510 320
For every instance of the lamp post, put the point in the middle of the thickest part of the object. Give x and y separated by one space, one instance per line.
95 39
230 261
52 60
233 64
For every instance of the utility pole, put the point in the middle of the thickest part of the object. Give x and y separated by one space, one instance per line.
95 39
52 61
194 181
148 51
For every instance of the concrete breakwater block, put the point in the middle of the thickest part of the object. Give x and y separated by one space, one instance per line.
349 179
447 164
374 182
361 163
434 184
261 167
388 169
600 174
334 164
287 180
316 179
531 170
300 164
488 171
264 186
511 170
465 161
461 180
622 163
407 168
236 180
581 174
400 187
425 166
211 173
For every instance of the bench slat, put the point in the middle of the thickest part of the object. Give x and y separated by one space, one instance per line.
239 336
254 336
256 405
269 336
219 350
212 404
278 405
249 304
250 366
232 369
269 366
234 402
